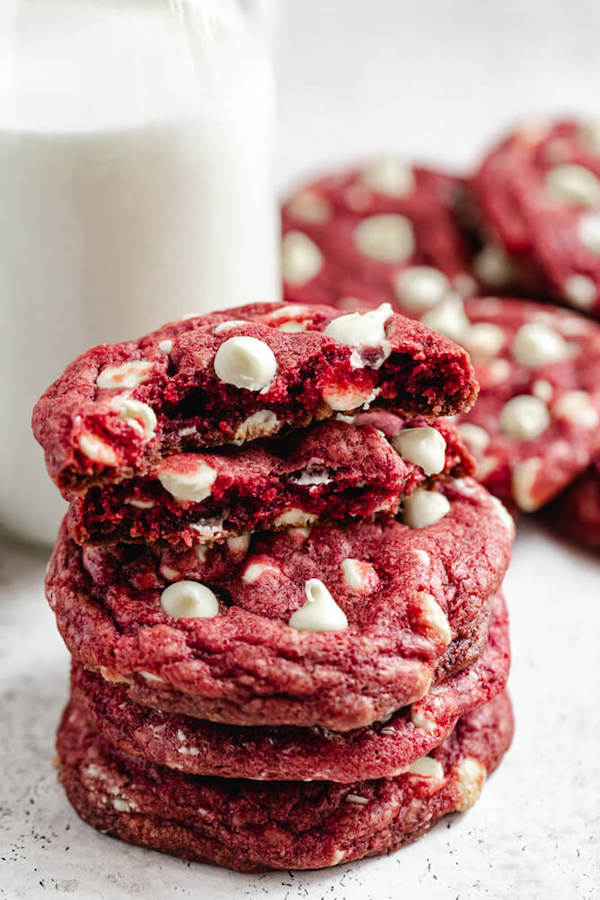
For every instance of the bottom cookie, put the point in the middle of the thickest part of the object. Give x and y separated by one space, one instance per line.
252 826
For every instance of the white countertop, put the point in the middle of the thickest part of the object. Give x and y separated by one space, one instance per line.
433 79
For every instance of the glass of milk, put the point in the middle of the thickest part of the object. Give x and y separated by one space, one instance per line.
136 185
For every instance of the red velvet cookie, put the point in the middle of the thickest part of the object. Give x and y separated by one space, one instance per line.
250 826
386 228
332 470
381 750
538 194
536 425
576 512
236 375
337 627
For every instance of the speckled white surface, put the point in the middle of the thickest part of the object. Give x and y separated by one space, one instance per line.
434 79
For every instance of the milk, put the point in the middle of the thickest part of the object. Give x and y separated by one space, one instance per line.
136 144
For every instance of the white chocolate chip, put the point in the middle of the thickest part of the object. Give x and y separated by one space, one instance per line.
427 767
343 400
448 318
580 291
311 478
524 417
360 329
421 720
287 311
524 478
189 600
245 362
465 285
127 375
484 340
424 508
573 185
296 518
578 407
255 570
122 805
493 267
320 612
356 799
193 484
542 389
435 616
425 447
239 543
471 778
231 323
299 533
97 450
423 557
140 504
138 415
359 575
588 231
420 287
165 346
386 238
497 371
292 327
309 206
201 552
148 676
262 423
536 344
301 259
390 176
208 529
476 437
485 467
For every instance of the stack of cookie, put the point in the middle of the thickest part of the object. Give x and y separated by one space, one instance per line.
279 585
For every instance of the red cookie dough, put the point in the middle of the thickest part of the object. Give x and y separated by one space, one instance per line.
538 195
250 826
385 228
576 511
381 750
404 605
233 376
332 470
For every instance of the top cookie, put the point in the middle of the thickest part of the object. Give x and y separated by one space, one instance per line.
237 375
538 194
386 226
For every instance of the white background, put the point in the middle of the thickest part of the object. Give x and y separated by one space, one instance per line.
434 79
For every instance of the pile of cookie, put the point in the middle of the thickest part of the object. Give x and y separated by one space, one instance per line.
279 584
526 224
